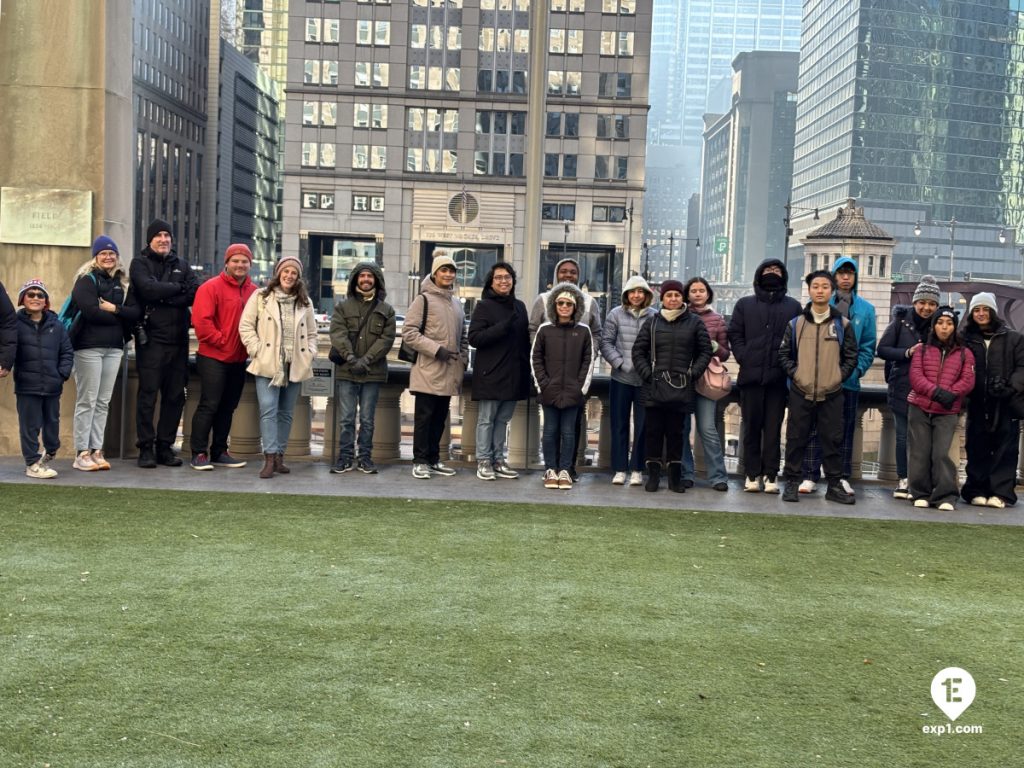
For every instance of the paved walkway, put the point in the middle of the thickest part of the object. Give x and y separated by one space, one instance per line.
312 477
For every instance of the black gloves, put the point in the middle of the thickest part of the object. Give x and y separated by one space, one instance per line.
443 355
944 397
999 388
360 367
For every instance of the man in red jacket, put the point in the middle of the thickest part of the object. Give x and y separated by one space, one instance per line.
220 359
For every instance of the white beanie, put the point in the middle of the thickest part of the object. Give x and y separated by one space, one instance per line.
984 299
442 260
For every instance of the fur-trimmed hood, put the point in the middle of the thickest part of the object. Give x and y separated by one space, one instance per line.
551 315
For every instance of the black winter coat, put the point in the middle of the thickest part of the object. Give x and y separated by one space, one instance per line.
8 330
499 330
1002 359
682 351
100 329
756 328
903 333
45 357
166 289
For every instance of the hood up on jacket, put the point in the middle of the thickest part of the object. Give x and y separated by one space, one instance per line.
560 262
378 277
551 315
847 261
637 281
770 294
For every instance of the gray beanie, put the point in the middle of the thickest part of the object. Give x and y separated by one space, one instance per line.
927 290
984 299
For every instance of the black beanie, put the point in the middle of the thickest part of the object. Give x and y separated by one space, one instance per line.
155 228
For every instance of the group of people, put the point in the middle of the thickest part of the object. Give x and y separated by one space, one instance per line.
804 360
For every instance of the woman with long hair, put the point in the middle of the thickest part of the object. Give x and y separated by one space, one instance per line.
279 332
109 311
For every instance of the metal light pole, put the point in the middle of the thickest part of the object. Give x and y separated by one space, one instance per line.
671 255
565 236
647 261
629 239
788 222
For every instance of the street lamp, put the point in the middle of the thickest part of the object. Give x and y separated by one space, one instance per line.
671 258
565 236
788 222
647 261
951 225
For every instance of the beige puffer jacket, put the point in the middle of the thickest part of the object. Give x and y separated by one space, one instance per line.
445 328
260 331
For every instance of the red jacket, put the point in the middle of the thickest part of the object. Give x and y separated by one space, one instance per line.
215 315
933 368
717 330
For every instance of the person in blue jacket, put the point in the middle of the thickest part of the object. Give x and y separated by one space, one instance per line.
42 364
861 314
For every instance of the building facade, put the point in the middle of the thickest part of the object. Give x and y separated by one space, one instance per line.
917 112
407 136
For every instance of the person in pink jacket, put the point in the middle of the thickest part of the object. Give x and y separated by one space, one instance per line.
941 375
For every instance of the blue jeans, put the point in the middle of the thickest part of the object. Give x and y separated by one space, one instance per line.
714 456
492 429
559 436
353 394
95 373
276 407
901 442
623 398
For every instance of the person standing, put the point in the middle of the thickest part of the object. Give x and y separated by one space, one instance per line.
165 286
278 329
755 335
561 358
220 359
42 364
441 362
941 376
102 294
499 331
362 334
8 333
901 340
698 295
818 353
993 421
671 352
861 314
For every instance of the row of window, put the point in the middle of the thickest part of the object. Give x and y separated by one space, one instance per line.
567 212
624 7
324 201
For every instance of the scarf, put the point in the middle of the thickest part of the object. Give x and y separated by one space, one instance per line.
286 306
671 314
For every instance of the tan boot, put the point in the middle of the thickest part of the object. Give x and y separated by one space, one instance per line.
279 466
268 466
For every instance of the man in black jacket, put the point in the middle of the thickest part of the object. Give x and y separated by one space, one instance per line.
755 335
165 286
8 333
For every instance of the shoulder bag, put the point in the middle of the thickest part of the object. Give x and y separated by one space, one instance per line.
405 352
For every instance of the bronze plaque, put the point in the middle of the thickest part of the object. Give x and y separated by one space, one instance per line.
45 216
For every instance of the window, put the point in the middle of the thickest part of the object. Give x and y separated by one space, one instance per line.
615 85
382 33
318 200
521 41
332 31
374 203
554 124
418 36
556 41
378 158
613 126
312 30
310 112
327 154
550 165
414 159
360 115
380 116
364 70
622 168
417 77
613 213
481 161
364 31
568 166
309 154
517 124
328 113
574 41
558 211
625 7
330 73
311 72
600 167
573 6
556 82
360 156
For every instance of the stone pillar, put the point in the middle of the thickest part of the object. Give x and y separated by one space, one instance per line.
697 446
856 463
387 426
887 446
1020 458
524 433
193 388
956 446
298 439
470 417
245 425
604 434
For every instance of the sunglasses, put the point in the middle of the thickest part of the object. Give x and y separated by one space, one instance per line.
564 304
34 295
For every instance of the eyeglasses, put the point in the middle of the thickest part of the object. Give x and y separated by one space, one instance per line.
564 304
34 295
502 278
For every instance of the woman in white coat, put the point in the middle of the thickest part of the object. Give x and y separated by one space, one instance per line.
279 332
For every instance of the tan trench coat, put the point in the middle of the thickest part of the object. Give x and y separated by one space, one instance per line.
445 328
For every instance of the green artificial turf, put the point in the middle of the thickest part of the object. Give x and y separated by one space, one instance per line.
200 629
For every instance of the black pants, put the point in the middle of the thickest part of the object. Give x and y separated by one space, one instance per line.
429 418
163 369
991 458
762 409
221 389
664 435
38 413
827 417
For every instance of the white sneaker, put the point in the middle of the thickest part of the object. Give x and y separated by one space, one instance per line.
921 503
84 462
440 468
770 486
946 507
619 478
484 470
421 471
979 501
752 485
40 471
100 460
845 485
636 478
902 489
808 486
995 502
564 480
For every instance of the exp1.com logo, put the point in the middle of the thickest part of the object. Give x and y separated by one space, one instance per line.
953 691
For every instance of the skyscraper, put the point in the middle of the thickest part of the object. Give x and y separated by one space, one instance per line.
917 112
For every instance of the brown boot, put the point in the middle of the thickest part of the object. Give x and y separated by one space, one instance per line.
268 466
279 466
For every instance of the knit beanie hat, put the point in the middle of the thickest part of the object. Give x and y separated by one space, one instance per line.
104 243
984 299
946 311
671 285
927 290
240 249
290 261
566 296
155 228
442 260
36 283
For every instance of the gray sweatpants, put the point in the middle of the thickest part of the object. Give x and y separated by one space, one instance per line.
931 472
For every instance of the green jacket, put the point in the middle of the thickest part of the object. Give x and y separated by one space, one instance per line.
363 329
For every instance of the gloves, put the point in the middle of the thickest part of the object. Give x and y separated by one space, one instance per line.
714 346
443 355
944 397
350 358
999 388
360 366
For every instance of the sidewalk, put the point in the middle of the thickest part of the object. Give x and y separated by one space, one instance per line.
313 477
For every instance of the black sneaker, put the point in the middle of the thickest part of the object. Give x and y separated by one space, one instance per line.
367 467
687 482
201 462
792 491
574 474
168 458
721 486
147 460
227 460
341 466
837 493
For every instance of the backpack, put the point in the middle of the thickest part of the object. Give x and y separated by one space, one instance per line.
70 314
840 333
